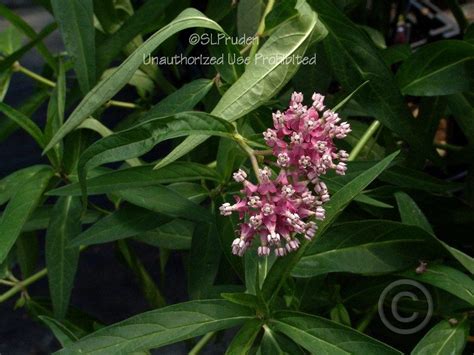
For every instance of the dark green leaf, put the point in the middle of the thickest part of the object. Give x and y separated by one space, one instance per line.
24 122
27 253
244 339
60 331
437 69
20 207
448 279
142 138
367 247
139 176
355 60
128 221
319 335
174 235
444 339
411 213
76 24
164 326
164 200
282 11
204 260
61 261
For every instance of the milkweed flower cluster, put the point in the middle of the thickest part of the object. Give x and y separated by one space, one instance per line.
283 208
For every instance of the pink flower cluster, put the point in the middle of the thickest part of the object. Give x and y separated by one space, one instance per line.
280 209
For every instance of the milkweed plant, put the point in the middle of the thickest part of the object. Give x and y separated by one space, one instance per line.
271 177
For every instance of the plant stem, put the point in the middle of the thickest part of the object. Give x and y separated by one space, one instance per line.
122 104
363 141
364 323
263 152
21 285
261 28
447 146
19 68
201 343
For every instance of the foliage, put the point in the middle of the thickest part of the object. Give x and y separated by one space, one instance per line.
155 170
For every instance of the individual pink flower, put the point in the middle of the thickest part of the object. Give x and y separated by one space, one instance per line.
281 208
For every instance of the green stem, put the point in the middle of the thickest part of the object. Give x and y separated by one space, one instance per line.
364 323
21 69
447 146
261 28
21 285
363 141
201 343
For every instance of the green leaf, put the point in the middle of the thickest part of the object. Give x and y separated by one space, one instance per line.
140 139
150 290
147 17
138 176
27 252
282 11
174 235
444 339
249 13
108 87
61 261
244 339
75 18
463 111
184 99
20 207
273 343
7 62
161 327
10 184
396 53
28 31
448 279
164 200
24 122
263 78
60 331
367 247
128 221
437 69
354 60
282 268
411 213
319 335
244 299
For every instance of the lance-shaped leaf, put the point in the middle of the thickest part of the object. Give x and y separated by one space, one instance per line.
322 336
128 221
411 214
244 339
11 183
76 24
204 260
108 87
139 176
274 65
164 326
282 268
368 247
24 122
448 279
174 235
354 60
20 207
165 200
61 261
443 339
141 138
437 69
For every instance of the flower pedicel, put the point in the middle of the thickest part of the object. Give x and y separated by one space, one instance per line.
279 210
